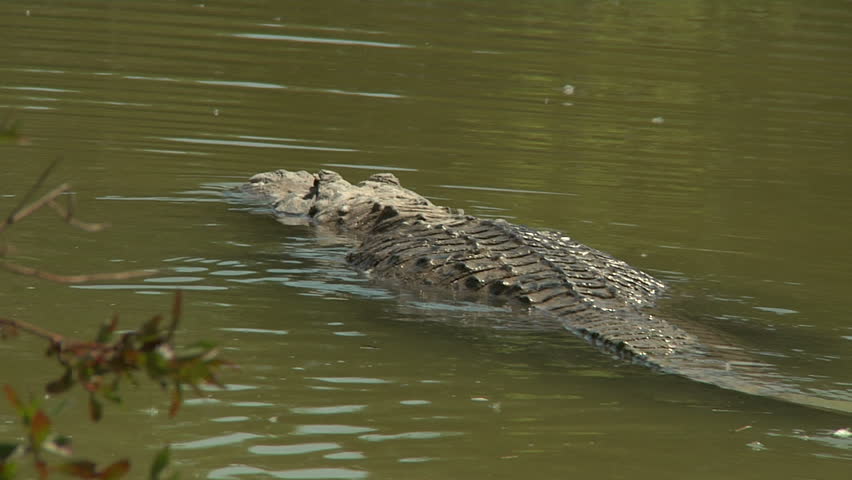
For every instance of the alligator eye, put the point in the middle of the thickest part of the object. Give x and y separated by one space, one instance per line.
257 180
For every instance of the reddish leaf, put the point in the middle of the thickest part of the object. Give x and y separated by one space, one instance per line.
13 398
95 409
79 469
39 428
116 470
177 400
6 332
93 383
41 467
177 308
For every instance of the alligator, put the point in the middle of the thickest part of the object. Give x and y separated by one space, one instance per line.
403 237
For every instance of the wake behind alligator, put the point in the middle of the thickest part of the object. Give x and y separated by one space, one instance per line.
402 236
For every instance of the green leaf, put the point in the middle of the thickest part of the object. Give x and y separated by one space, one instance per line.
39 428
149 333
116 470
161 461
7 449
110 392
96 410
107 330
62 384
8 470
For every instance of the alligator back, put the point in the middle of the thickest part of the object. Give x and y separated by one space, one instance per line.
542 271
405 238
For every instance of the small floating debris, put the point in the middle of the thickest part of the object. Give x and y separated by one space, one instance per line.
842 433
658 120
568 89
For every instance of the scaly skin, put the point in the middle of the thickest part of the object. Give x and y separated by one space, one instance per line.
404 237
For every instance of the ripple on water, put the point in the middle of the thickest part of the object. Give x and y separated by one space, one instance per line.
377 437
218 441
232 472
232 273
350 334
190 269
415 459
252 404
331 430
231 419
173 279
345 456
328 410
351 380
321 40
201 401
243 143
230 387
293 449
255 330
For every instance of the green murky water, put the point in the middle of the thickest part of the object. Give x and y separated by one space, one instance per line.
707 142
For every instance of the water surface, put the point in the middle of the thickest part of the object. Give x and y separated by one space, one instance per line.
706 142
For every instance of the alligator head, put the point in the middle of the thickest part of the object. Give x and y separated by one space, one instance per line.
294 196
325 198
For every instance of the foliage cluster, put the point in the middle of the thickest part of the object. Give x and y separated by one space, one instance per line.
99 366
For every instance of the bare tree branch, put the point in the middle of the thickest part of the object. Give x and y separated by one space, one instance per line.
35 186
67 213
22 212
15 325
93 277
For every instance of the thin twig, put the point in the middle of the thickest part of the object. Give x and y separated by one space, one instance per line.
68 215
93 277
52 337
59 344
21 213
38 183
